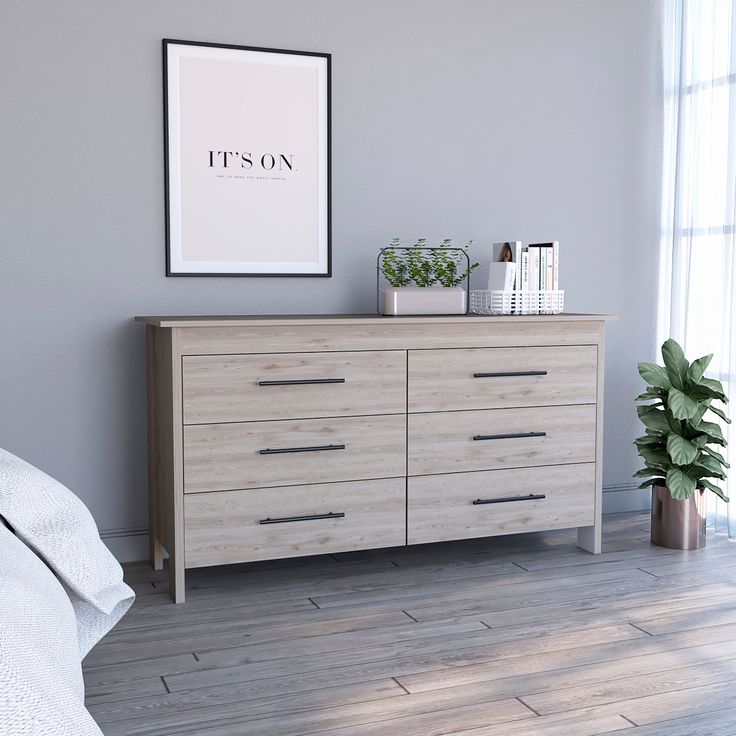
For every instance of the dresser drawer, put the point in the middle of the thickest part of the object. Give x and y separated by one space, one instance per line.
238 388
460 441
491 378
458 506
240 526
221 457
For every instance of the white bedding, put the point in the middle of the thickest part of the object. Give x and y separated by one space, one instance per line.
60 591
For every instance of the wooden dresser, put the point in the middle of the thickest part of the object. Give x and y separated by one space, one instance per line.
282 436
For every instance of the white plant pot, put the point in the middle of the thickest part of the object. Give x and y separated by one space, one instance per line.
423 300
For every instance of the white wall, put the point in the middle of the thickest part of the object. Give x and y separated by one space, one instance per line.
483 119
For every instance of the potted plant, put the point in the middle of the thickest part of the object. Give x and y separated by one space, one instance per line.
423 279
677 446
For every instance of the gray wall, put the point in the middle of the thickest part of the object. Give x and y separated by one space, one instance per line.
483 119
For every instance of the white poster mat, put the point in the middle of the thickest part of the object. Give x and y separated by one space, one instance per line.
247 159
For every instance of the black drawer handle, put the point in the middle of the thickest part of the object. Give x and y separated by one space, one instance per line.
507 499
311 517
314 448
301 382
511 436
506 374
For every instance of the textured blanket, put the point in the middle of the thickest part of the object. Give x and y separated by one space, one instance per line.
60 591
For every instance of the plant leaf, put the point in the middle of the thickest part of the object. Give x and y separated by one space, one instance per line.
706 467
680 484
650 394
681 450
681 405
700 441
713 432
716 388
720 413
697 369
648 473
717 456
653 418
649 440
655 375
655 458
715 490
675 362
651 482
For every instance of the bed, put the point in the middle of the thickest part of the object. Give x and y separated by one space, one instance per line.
61 591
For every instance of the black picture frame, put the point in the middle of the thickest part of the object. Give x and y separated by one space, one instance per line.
166 44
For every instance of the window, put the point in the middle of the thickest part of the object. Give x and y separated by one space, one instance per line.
697 265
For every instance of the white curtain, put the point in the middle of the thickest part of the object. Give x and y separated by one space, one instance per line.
697 268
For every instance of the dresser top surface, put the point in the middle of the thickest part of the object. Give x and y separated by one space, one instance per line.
323 319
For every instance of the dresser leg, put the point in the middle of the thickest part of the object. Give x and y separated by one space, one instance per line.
176 578
156 553
589 538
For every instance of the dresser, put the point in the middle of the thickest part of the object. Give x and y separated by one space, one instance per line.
274 437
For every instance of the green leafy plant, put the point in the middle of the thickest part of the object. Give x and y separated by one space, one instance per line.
421 270
394 266
446 264
676 447
424 266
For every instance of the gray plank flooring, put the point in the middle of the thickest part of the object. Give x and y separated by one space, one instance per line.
514 636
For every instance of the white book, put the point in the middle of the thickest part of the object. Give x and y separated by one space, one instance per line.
556 265
524 281
502 276
525 271
533 275
509 251
542 269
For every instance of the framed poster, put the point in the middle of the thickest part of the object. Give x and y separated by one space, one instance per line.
247 161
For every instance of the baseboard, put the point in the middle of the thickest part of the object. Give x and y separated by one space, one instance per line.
131 545
622 498
127 545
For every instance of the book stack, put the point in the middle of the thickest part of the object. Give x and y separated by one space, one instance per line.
526 269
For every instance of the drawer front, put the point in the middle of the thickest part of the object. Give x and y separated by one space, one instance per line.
241 526
491 378
464 505
239 388
449 442
221 457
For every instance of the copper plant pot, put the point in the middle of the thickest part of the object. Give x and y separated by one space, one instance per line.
678 524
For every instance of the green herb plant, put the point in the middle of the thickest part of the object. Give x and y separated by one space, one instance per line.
394 265
424 266
676 446
446 264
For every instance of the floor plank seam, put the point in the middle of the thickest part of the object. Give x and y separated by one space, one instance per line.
488 626
648 633
163 679
401 686
196 658
626 718
410 616
311 600
526 705
525 569
647 572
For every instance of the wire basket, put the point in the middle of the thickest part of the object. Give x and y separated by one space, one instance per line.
517 302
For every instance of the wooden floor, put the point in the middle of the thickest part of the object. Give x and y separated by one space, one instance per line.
514 636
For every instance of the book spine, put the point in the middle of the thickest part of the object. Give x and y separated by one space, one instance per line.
550 267
510 279
524 281
533 277
516 249
525 271
542 269
556 266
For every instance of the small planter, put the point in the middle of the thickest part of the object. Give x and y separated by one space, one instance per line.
408 300
678 524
